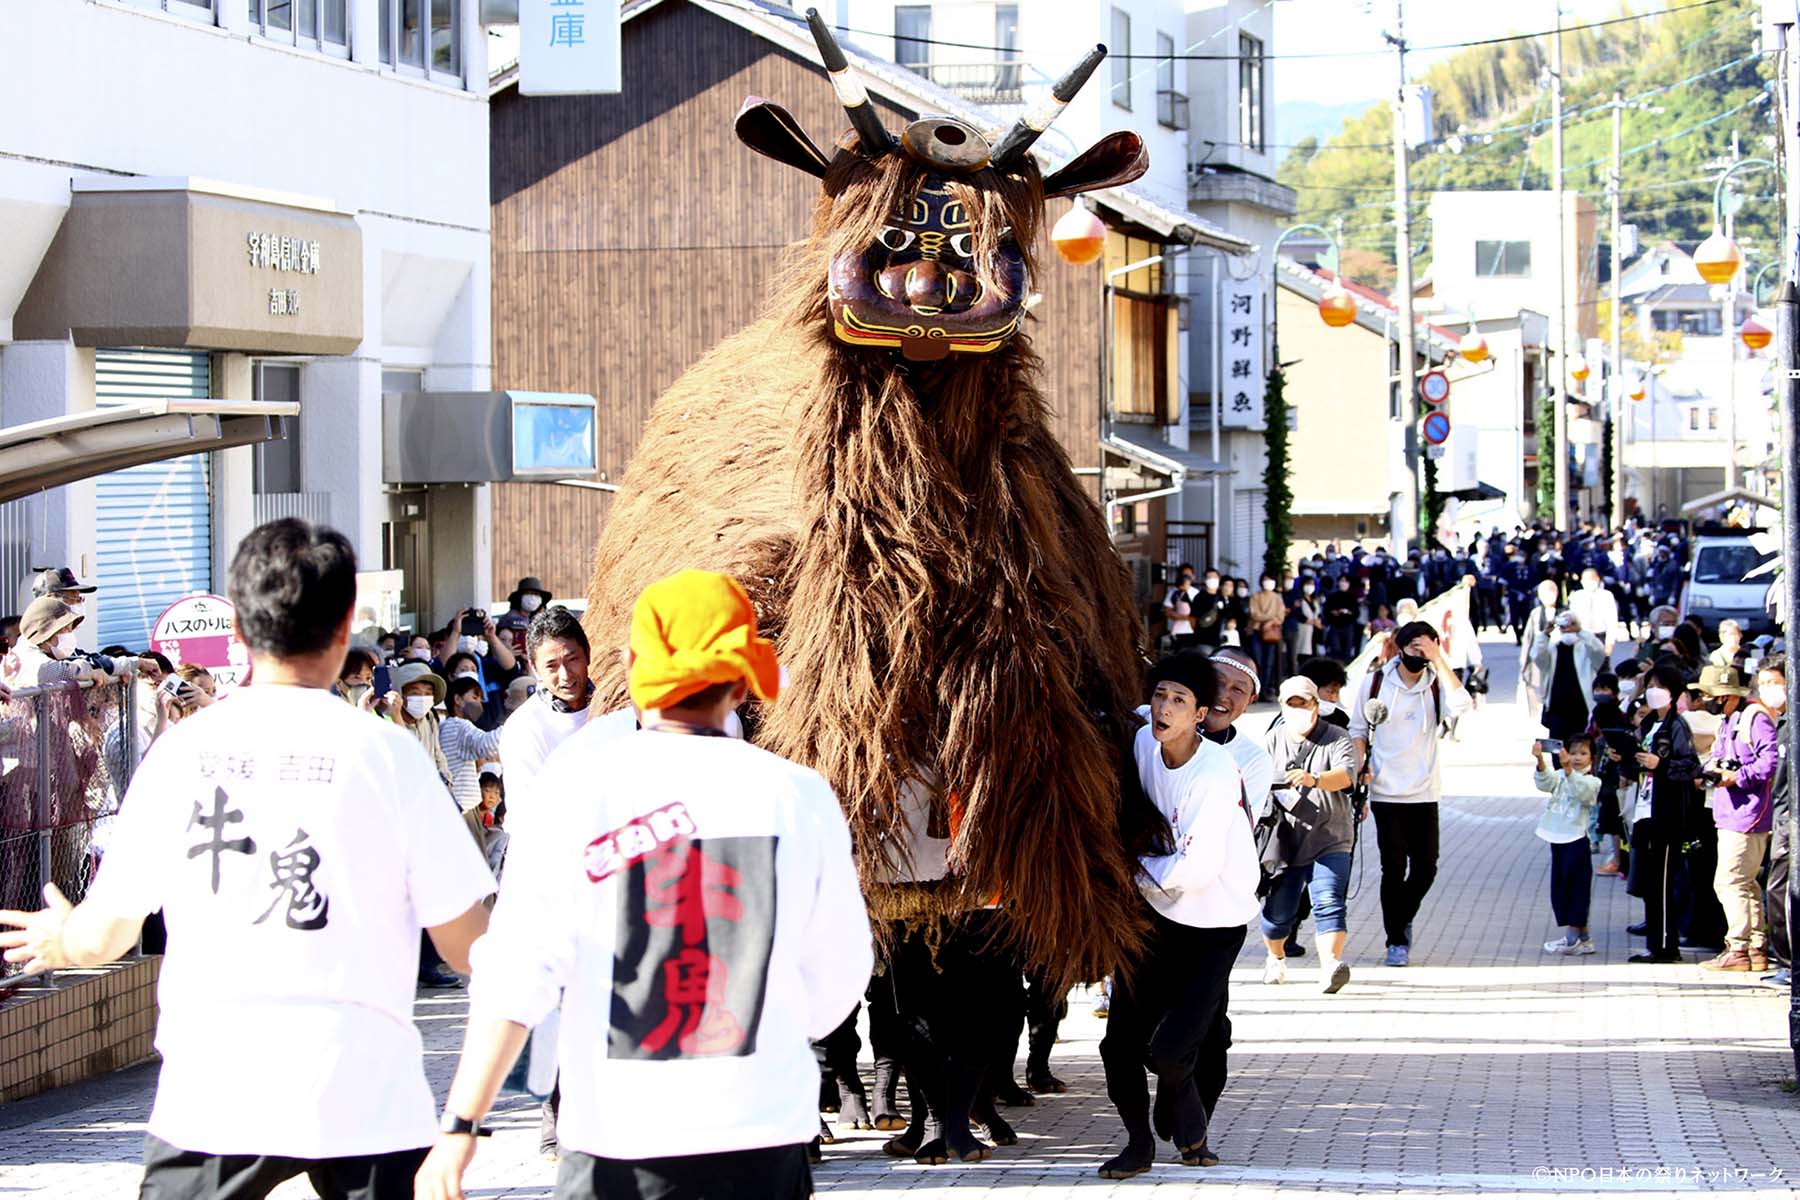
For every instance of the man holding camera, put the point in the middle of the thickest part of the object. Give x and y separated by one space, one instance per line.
1405 704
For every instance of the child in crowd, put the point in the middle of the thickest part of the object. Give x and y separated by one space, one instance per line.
1573 789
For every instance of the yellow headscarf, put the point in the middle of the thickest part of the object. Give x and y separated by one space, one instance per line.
691 631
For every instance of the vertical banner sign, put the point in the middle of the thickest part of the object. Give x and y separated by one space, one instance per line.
1242 374
568 47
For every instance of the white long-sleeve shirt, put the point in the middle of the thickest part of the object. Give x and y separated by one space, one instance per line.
1210 880
699 913
527 740
1403 750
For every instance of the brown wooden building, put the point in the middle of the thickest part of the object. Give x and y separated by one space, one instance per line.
632 232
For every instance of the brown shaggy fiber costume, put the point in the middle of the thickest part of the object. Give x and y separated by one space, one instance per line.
943 593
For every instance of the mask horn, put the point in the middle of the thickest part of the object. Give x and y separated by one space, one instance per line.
870 132
1035 120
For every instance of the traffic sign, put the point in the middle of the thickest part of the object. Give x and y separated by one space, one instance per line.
1436 428
199 629
1434 387
1436 451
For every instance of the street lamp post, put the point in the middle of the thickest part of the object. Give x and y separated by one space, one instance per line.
1719 260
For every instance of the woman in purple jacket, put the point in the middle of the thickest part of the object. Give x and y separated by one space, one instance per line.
1741 770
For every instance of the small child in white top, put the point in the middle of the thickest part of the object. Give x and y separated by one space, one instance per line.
1573 789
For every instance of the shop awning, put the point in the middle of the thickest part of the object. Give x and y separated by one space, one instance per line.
66 449
1728 496
1144 450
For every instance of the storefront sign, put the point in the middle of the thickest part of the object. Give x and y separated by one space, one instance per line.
1239 325
568 47
198 629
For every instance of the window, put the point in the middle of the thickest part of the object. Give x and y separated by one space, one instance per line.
912 36
1495 260
1006 37
1171 105
278 462
1121 58
1725 564
1694 418
313 24
1712 418
202 10
1250 92
422 35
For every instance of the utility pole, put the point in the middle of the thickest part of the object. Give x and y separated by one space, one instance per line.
1560 346
1727 320
1403 518
1788 331
1616 376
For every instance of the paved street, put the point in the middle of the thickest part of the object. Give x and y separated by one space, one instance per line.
1485 1066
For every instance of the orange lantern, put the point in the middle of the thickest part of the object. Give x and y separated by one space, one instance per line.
1755 335
1578 369
1473 347
1079 236
1635 389
1717 258
1337 308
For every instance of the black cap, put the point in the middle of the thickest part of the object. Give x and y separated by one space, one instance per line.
1192 670
52 580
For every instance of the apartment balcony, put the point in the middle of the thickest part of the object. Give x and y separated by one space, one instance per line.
978 82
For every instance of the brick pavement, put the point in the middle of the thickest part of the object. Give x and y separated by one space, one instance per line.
1479 1068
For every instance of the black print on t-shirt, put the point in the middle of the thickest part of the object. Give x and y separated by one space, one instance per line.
696 925
221 817
308 908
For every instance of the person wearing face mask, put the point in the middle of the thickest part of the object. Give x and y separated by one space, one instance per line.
412 705
495 663
1740 775
525 602
464 743
1518 577
1316 762
1538 623
1267 611
1329 677
1178 608
46 652
1308 620
1209 612
1418 692
60 583
1608 720
1771 691
1566 658
1664 769
1597 607
356 676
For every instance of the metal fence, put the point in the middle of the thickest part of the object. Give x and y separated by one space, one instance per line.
67 752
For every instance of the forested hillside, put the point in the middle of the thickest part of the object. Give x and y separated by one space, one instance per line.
1695 75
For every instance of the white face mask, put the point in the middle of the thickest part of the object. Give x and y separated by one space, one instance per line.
418 654
1566 638
1773 695
63 646
418 706
530 602
481 647
1268 585
468 675
1300 721
1588 585
1657 697
1665 632
1627 688
1327 707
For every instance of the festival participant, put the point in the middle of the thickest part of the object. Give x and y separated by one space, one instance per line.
557 648
1199 883
1318 762
699 914
1418 691
298 848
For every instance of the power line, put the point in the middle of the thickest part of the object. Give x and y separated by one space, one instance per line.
1321 54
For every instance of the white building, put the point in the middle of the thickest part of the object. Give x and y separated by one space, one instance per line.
165 139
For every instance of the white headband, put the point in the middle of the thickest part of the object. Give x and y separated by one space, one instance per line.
1227 661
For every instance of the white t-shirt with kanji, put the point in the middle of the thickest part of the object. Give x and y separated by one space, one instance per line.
297 847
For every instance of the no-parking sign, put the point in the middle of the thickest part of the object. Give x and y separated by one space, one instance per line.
1436 428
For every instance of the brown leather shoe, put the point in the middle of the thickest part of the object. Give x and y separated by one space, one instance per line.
1759 960
1729 960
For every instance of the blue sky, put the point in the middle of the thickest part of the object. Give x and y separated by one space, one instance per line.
1315 26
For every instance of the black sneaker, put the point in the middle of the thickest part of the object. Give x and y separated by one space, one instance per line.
1639 929
438 977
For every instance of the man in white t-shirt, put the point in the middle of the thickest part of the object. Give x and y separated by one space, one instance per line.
1200 887
699 915
1597 608
298 848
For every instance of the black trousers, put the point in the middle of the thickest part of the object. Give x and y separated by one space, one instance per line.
1701 918
1168 1015
1655 864
174 1174
836 1055
946 1003
771 1173
1781 947
1407 837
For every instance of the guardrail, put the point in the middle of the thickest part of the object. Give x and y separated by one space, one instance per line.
67 753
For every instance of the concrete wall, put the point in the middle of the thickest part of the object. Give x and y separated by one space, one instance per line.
1460 219
1338 388
1214 27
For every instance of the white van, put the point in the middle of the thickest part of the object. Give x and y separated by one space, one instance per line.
1716 588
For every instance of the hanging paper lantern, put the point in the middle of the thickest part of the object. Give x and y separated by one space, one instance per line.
1337 308
1756 335
1473 347
1079 236
1717 258
1635 389
1578 369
